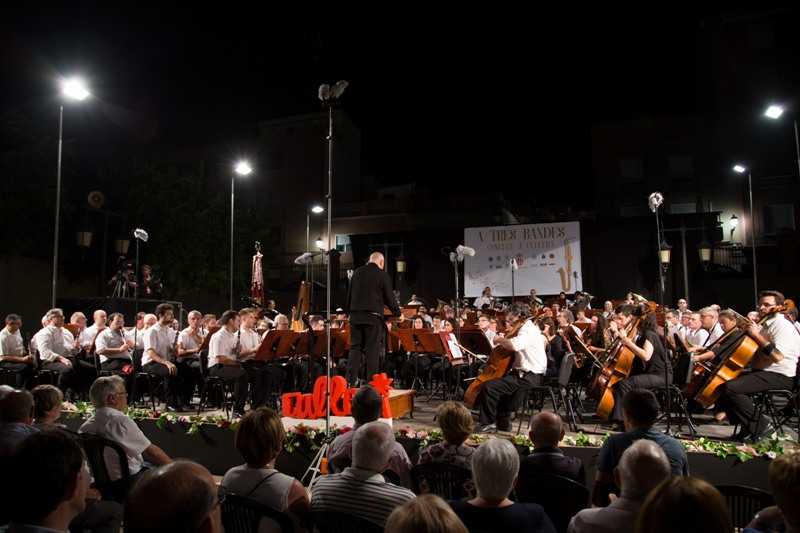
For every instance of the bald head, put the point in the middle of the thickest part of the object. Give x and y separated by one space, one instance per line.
547 429
377 258
178 497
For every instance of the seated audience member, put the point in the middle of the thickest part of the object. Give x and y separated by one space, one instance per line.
642 466
109 420
16 416
259 439
361 490
12 352
178 497
366 407
685 505
546 432
495 465
47 400
5 390
784 482
427 513
456 424
639 410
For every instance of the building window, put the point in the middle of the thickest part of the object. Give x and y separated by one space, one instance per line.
343 243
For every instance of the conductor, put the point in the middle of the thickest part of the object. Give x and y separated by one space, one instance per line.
370 289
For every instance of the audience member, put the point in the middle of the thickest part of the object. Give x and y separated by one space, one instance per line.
180 497
640 410
784 482
456 424
109 420
427 513
686 505
546 432
47 400
366 408
5 390
361 490
495 465
16 416
259 439
642 466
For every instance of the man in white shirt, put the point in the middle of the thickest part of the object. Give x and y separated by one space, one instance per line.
109 420
249 341
111 345
223 358
774 367
674 327
484 299
484 323
12 352
709 316
89 335
696 336
76 319
159 352
499 397
53 353
136 333
683 305
190 340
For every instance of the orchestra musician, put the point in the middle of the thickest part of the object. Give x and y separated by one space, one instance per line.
499 397
696 335
308 369
727 320
485 323
533 300
190 340
249 342
774 367
112 346
370 290
12 352
484 299
223 358
53 352
158 357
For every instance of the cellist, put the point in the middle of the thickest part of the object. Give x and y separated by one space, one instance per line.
774 367
499 397
651 367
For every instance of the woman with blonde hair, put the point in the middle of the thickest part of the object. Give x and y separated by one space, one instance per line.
424 514
456 424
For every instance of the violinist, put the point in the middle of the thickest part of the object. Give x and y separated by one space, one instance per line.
485 323
499 397
774 367
727 321
556 346
652 368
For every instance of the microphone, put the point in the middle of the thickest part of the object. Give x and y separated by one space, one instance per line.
305 258
655 200
141 234
465 250
514 265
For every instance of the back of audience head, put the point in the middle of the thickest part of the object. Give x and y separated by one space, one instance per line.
685 504
50 480
47 400
372 446
106 391
17 407
259 437
366 406
547 429
642 466
639 408
178 497
784 480
455 421
427 513
495 465
5 390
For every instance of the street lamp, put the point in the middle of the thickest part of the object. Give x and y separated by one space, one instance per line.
665 255
242 169
741 169
704 249
320 243
315 209
71 89
774 112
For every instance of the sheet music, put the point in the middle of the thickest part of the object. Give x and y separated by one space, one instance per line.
455 350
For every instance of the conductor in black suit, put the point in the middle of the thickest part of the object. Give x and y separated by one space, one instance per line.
370 289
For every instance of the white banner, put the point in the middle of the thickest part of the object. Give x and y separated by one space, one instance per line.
548 258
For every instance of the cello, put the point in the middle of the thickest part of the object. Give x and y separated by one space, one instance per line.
497 366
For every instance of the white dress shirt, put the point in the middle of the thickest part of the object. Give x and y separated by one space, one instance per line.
696 337
490 335
119 427
530 355
715 333
50 343
480 301
109 338
786 339
189 341
223 343
249 340
679 329
139 334
11 343
160 339
88 336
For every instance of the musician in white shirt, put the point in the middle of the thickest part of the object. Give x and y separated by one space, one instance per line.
53 353
709 316
111 345
190 340
674 327
223 358
89 335
484 299
136 333
12 352
696 336
499 397
159 352
249 342
484 323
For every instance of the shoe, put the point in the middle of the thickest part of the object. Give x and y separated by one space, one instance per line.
740 436
486 428
766 432
173 408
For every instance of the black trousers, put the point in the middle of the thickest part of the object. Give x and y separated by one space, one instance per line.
172 383
639 381
739 407
115 365
191 376
257 375
67 377
23 373
365 341
236 375
500 397
99 517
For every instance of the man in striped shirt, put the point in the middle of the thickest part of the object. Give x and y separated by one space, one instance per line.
361 490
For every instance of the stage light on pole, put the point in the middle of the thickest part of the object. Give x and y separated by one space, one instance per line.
74 89
739 169
242 168
317 209
774 111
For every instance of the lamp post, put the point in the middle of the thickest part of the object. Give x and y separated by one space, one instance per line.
315 209
242 169
774 112
71 89
741 169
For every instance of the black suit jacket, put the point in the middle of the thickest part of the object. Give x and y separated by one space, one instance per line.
551 461
370 289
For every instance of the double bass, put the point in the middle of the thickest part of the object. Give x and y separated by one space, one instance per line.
497 366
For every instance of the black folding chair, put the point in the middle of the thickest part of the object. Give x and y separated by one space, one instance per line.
451 482
744 502
242 515
95 447
561 497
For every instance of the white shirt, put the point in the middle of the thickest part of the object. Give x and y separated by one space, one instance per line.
108 338
480 301
119 427
679 329
88 336
139 334
618 517
786 339
249 340
160 339
696 337
490 335
223 342
189 341
529 346
50 343
69 341
715 333
11 343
